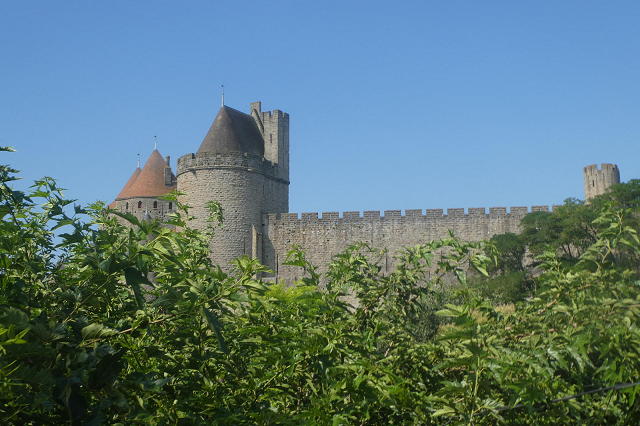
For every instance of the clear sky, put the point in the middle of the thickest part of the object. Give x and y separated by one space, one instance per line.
393 104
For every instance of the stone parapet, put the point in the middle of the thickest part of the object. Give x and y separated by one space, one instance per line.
323 235
237 160
410 215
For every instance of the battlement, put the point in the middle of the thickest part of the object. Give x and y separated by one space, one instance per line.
210 160
323 235
276 113
593 168
406 215
257 107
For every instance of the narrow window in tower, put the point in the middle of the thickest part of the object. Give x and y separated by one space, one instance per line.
270 138
155 204
593 183
139 204
126 206
170 205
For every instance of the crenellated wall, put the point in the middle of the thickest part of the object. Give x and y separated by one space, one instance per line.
324 235
253 190
238 160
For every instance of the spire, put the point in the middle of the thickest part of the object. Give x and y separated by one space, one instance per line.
222 88
150 181
233 131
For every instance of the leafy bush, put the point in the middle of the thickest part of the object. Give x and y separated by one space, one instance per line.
106 323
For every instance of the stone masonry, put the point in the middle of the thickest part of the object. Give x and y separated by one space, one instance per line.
243 163
598 180
246 184
322 236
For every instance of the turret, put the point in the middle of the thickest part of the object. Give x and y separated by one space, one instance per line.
597 181
140 195
235 167
274 127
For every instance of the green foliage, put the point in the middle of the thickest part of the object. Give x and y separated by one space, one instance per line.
507 280
510 250
503 288
106 323
622 195
572 228
569 229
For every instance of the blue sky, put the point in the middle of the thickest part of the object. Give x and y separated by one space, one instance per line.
393 105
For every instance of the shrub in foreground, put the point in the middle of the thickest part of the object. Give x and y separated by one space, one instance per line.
102 323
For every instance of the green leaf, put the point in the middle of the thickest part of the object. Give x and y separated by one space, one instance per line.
216 327
95 330
134 279
443 412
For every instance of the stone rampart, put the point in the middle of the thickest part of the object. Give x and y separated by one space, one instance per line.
323 235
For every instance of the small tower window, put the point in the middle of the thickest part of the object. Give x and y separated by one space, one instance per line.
126 206
139 204
155 204
170 205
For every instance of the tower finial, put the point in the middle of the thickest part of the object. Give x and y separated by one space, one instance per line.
222 89
155 142
138 162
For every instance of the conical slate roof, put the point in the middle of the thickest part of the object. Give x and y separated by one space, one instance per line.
127 185
233 131
150 180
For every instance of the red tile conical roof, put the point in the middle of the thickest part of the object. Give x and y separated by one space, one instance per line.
127 185
150 181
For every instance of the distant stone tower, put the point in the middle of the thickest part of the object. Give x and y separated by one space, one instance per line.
139 196
242 163
598 181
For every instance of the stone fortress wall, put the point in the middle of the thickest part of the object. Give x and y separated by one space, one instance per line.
322 236
243 164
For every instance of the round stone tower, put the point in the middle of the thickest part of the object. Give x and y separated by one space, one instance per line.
230 168
598 181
